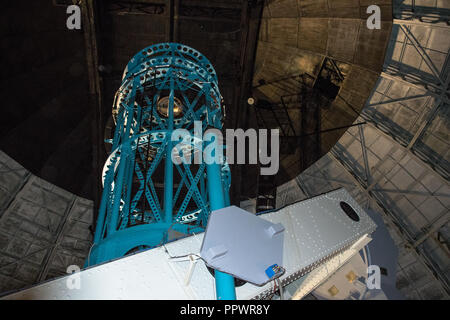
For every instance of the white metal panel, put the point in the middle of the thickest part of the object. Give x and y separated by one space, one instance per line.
141 276
326 270
155 274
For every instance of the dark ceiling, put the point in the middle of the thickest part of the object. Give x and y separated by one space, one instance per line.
303 64
46 120
53 120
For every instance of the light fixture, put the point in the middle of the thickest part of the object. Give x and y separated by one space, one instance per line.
163 107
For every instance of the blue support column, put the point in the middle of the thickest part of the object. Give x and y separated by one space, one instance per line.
225 289
102 214
168 170
112 227
227 198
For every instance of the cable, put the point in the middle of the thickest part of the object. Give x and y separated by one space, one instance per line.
89 254
369 257
279 271
365 256
367 261
280 288
182 256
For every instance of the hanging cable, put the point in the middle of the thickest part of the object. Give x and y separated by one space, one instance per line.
367 261
280 288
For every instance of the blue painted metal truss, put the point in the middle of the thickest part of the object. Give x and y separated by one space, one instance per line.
148 199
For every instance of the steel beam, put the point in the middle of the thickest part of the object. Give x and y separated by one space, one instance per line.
418 85
418 22
432 229
134 7
59 235
403 99
250 24
423 258
95 95
364 153
406 150
444 195
432 114
426 58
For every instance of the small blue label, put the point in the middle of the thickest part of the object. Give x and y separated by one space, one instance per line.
272 270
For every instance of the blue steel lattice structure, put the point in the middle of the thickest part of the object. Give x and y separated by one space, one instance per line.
147 198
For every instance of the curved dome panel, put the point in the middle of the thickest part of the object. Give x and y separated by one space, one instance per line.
316 65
